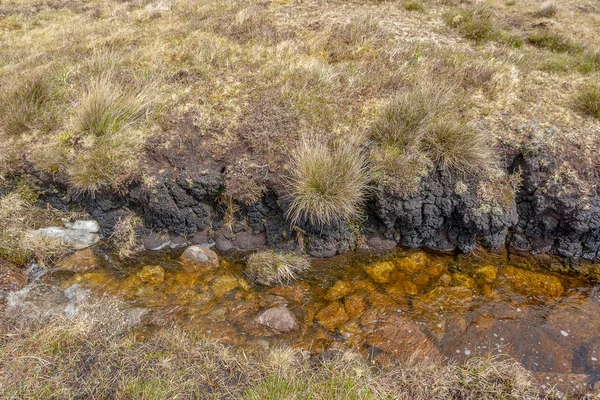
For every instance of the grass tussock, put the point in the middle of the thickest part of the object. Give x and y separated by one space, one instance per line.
588 100
26 105
97 355
358 38
270 268
124 236
476 23
421 128
327 182
413 5
105 108
553 41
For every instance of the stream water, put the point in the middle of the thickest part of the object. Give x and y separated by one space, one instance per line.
383 305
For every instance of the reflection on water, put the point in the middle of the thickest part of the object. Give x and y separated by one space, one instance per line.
386 306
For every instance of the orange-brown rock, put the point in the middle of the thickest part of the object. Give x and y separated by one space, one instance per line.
401 289
223 285
152 274
11 278
381 272
292 293
414 263
81 261
338 290
402 339
463 280
487 273
444 298
532 283
354 304
332 316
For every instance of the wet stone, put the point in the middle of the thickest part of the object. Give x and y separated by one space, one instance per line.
80 261
354 305
223 285
414 263
444 298
152 274
198 256
532 283
11 278
332 316
380 272
339 290
402 339
280 319
292 293
487 273
463 280
562 382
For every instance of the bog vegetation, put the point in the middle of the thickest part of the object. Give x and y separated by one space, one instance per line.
390 92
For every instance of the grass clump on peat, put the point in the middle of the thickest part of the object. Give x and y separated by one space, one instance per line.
555 42
588 100
270 268
422 129
327 182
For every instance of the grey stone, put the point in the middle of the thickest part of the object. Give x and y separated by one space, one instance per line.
280 319
200 256
79 235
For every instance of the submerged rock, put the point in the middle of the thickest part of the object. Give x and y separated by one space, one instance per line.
338 290
82 261
380 272
152 274
532 283
11 278
199 256
402 339
332 316
487 273
280 319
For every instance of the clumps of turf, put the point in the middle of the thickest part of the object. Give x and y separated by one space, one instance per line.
413 5
106 108
327 181
553 41
421 129
588 100
352 40
25 105
478 24
270 268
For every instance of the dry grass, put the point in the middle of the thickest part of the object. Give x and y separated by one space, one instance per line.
243 80
457 146
547 10
18 215
270 268
124 236
588 100
420 128
26 104
96 354
552 41
106 108
327 182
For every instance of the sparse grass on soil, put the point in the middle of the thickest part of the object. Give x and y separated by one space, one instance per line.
270 268
124 236
97 355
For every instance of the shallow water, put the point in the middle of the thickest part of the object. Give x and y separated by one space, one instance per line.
386 306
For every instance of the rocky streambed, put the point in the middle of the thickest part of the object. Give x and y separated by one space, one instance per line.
390 306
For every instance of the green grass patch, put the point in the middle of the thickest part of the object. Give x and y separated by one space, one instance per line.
588 100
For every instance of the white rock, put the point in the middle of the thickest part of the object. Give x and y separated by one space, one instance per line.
278 318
